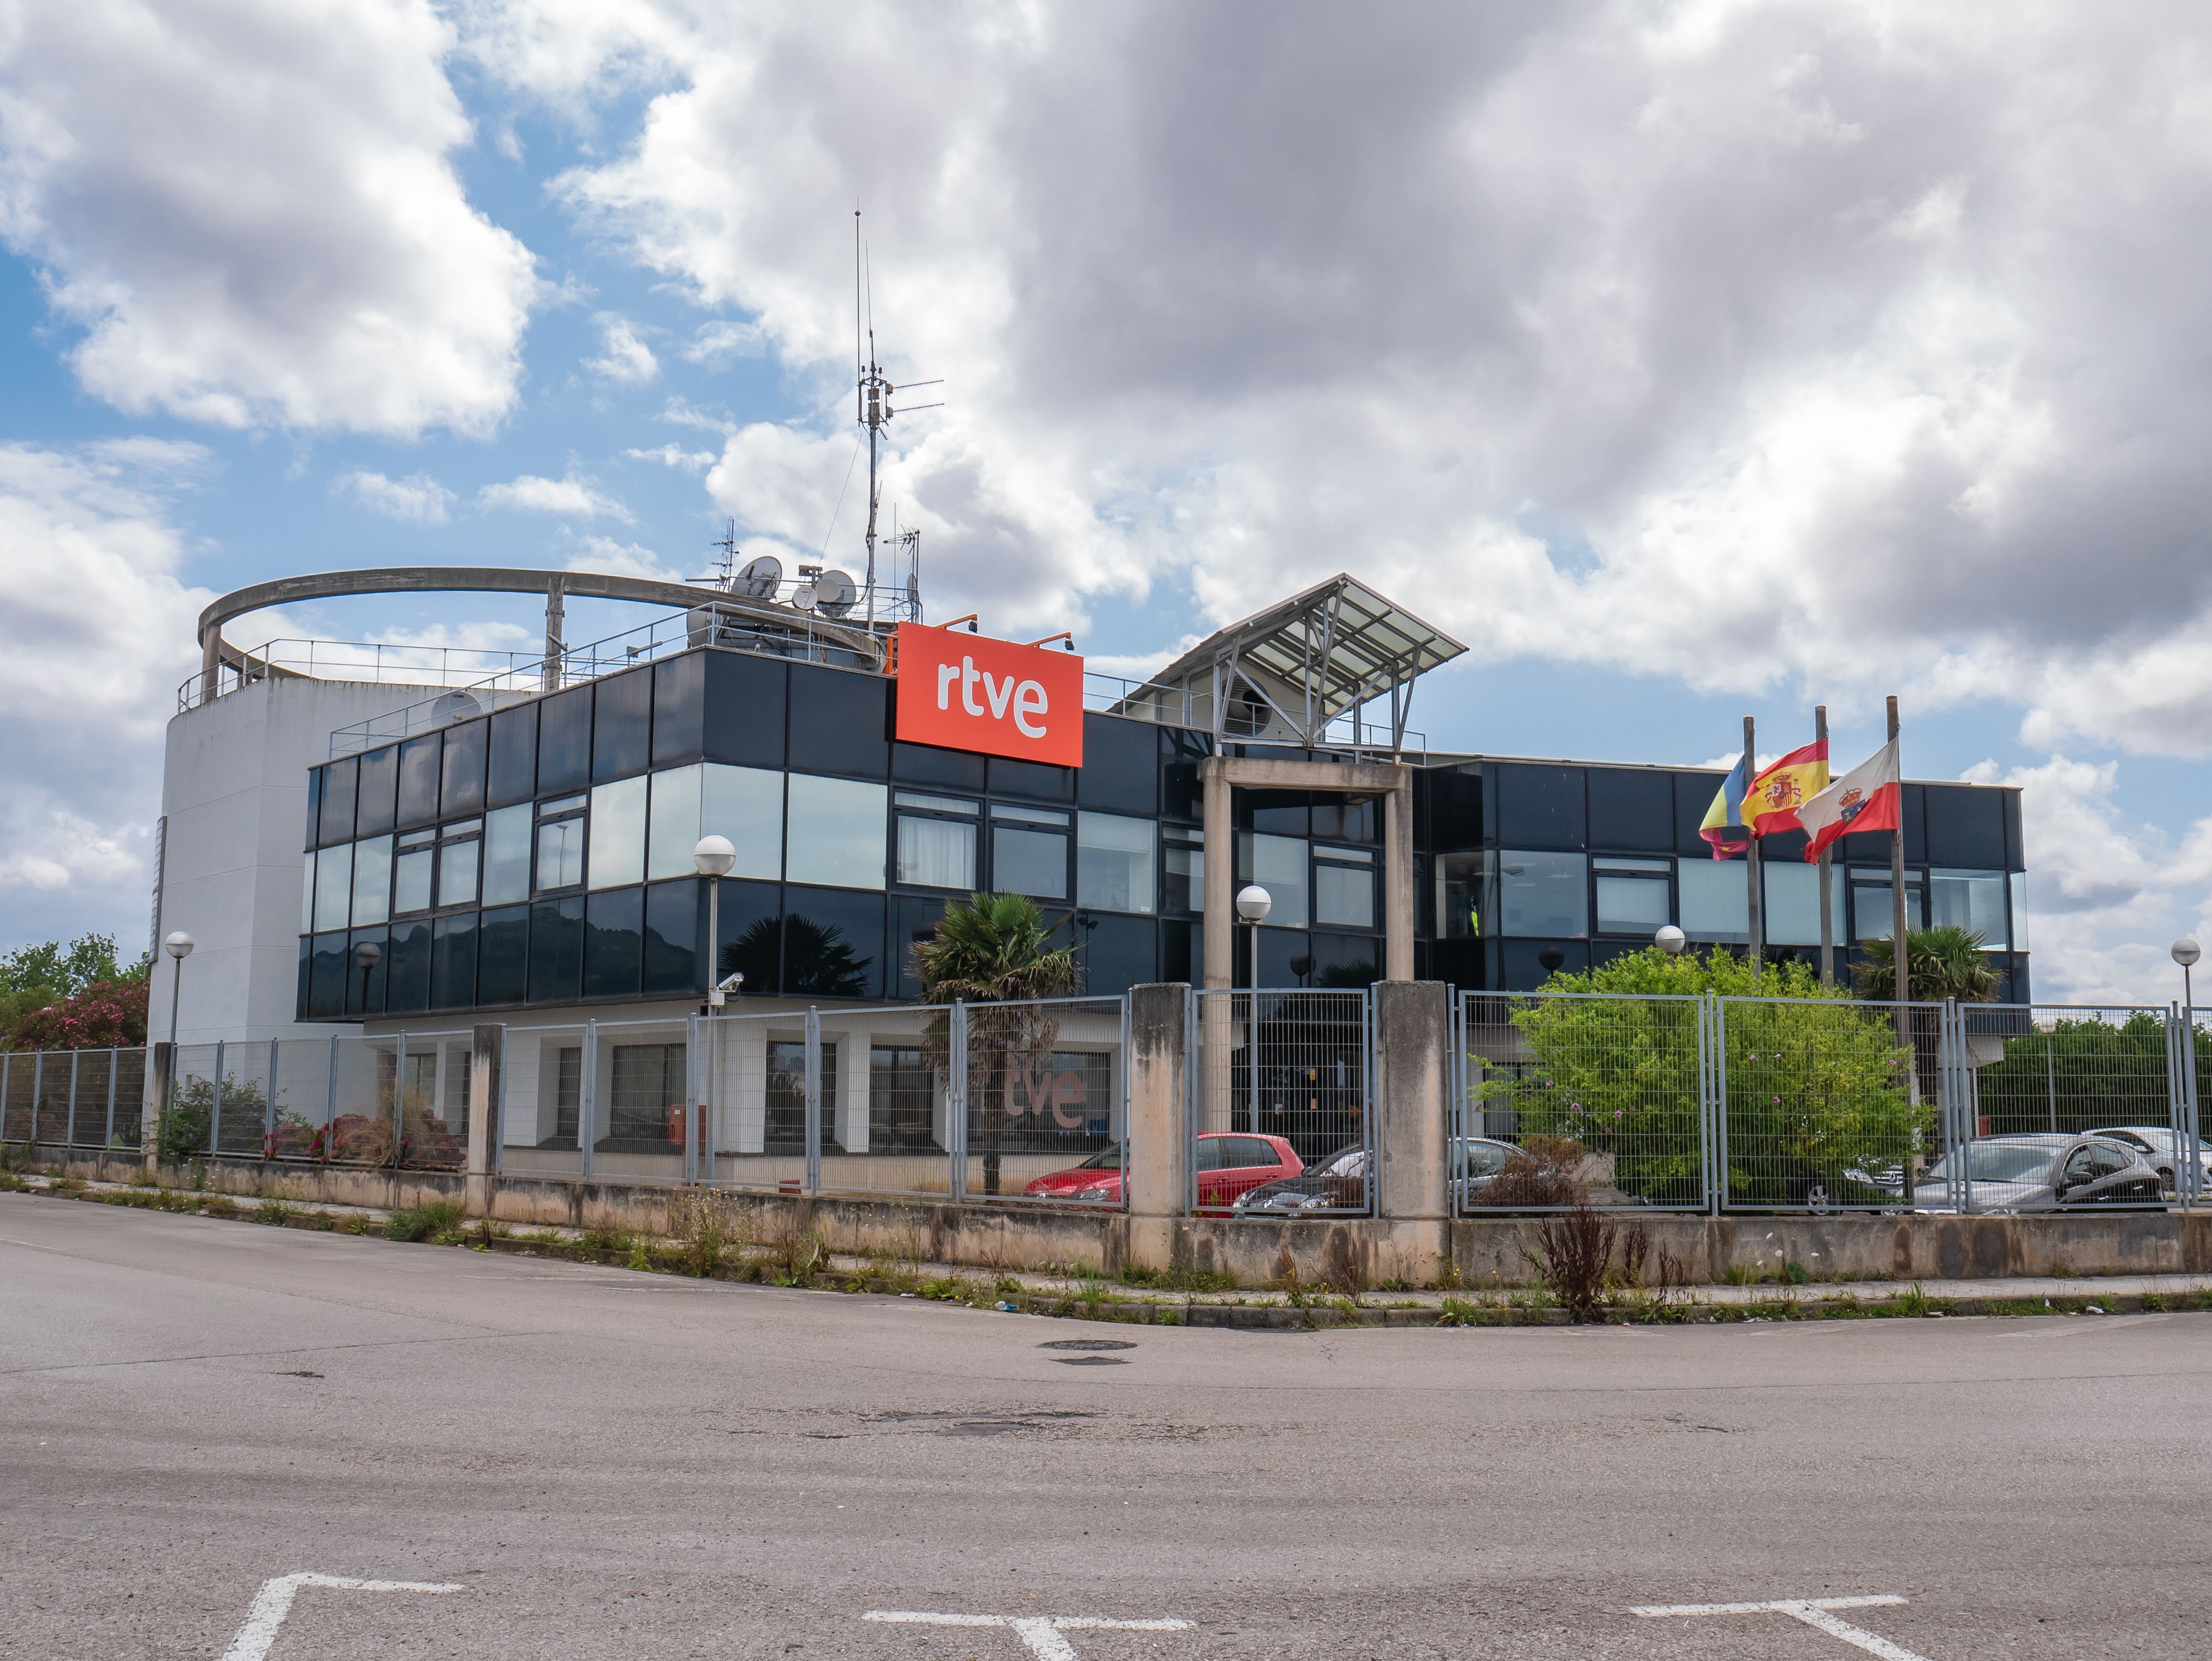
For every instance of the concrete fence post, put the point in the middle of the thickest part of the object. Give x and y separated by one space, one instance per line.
483 1119
153 1105
1412 1142
1156 1184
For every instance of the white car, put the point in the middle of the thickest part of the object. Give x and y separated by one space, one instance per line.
2156 1142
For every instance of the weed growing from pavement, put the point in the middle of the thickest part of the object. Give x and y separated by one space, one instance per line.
275 1212
1177 1279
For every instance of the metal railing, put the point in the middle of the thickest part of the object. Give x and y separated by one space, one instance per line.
1180 706
357 660
82 1098
1281 1106
1819 1105
398 1099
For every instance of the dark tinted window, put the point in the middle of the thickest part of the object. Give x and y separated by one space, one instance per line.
621 725
1277 812
564 742
339 780
1181 796
419 779
314 832
745 709
1009 777
679 709
379 791
1119 953
407 969
1965 827
513 757
1631 808
838 722
1183 953
1278 947
1454 809
1336 820
1524 964
922 763
913 920
1345 960
307 975
751 939
1537 807
1693 795
674 919
365 988
454 962
327 983
1120 771
503 956
614 943
2014 853
833 943
556 949
462 790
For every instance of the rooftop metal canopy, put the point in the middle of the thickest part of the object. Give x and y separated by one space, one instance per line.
1282 675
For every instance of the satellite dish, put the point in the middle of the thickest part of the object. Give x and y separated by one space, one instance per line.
803 596
913 592
456 706
759 578
834 592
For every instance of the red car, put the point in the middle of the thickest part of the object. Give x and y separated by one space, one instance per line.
1228 1164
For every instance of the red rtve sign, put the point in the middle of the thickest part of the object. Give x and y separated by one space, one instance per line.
962 692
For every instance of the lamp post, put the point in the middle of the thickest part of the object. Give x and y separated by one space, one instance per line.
2186 952
1670 939
367 954
1252 904
712 858
179 945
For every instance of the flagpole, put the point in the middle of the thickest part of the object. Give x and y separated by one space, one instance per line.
1827 917
1899 946
1751 854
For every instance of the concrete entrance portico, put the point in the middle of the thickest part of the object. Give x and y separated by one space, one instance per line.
1391 781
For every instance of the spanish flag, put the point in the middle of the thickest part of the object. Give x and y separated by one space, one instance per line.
1781 788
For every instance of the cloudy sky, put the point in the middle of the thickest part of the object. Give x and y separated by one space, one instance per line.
1687 361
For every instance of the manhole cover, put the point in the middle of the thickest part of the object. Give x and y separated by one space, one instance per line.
1091 1360
1087 1343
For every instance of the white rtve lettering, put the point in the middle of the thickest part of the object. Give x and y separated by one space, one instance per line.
1027 697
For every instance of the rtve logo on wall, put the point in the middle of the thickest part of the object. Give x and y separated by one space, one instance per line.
964 692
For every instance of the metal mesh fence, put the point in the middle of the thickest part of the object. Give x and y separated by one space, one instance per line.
611 1100
83 1098
1824 1109
1573 1098
18 1090
129 1097
1045 1092
1281 1103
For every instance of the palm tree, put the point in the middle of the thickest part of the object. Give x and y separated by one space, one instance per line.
1939 964
993 952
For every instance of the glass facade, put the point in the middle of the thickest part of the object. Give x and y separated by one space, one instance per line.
543 855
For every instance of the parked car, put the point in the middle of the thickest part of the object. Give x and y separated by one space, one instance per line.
2156 1143
2040 1173
1338 1183
1229 1164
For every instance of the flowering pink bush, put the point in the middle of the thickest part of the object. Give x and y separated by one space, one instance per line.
105 1014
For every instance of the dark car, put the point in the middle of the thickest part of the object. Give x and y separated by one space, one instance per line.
1338 1183
2041 1172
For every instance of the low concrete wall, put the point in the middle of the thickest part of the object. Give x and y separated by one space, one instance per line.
1340 1251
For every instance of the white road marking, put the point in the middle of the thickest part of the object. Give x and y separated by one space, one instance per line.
1814 1612
274 1601
1042 1633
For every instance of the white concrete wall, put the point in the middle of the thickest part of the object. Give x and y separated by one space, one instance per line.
235 788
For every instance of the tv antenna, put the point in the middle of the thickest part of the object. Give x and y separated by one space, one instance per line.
725 568
875 390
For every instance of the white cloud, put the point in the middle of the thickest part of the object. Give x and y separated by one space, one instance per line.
675 456
1756 348
625 559
252 211
623 357
418 499
96 631
718 342
568 495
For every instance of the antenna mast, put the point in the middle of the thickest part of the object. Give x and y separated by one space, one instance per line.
873 395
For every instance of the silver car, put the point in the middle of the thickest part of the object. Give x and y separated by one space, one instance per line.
2156 1143
2040 1173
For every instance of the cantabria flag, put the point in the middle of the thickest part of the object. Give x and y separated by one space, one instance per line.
1864 798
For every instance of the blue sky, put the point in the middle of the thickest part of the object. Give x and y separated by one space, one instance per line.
1687 362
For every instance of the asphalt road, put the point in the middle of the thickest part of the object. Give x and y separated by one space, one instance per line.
610 1464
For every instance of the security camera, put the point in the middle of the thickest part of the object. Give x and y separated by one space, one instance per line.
724 987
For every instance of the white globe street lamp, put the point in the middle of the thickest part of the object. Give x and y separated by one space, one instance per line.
2185 953
712 858
1670 939
1252 904
179 945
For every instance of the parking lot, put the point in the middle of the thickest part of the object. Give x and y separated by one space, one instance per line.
560 1461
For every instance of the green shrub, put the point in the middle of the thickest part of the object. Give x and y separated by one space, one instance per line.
275 1212
433 1219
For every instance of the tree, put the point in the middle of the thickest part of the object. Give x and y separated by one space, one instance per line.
34 979
993 952
105 1014
1939 964
2081 1074
1813 1080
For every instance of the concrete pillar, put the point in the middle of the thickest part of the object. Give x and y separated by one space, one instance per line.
1412 1087
1157 1179
483 1119
153 1105
1221 874
1398 881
